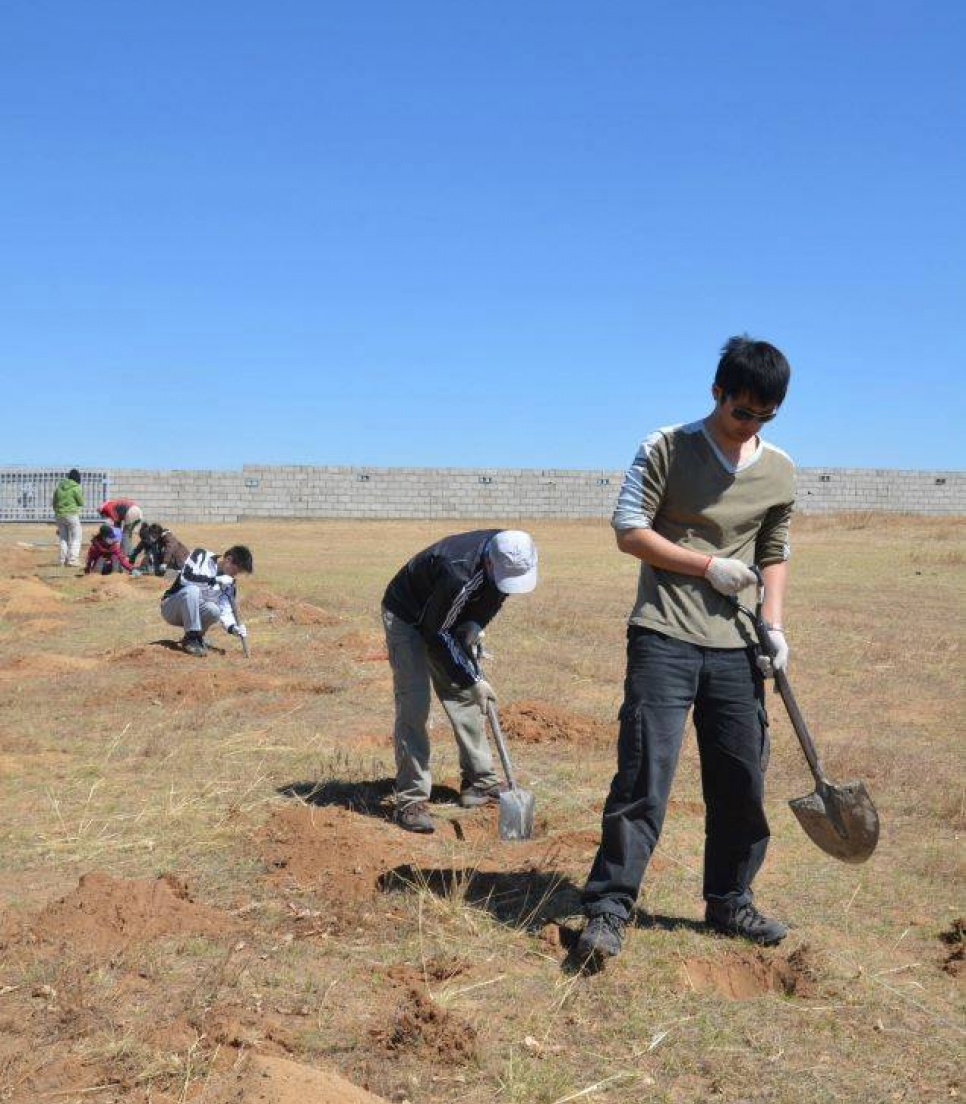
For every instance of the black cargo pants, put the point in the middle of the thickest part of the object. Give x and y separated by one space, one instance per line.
665 677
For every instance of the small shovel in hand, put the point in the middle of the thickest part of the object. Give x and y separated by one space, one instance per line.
516 804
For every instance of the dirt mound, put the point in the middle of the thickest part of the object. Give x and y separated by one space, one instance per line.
28 598
536 722
103 912
421 1026
744 975
42 625
42 664
113 588
265 1079
181 680
290 610
340 851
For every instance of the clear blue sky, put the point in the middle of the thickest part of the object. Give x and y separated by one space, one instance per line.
488 234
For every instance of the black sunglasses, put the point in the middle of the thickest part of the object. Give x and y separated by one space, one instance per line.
743 414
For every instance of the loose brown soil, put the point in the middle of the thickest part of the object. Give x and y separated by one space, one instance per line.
203 899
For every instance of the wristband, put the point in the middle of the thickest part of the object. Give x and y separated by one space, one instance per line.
707 565
775 628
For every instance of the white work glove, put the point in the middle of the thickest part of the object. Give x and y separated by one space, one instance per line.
483 693
238 630
224 581
729 576
768 665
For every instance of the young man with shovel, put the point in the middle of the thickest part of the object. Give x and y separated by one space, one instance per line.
460 581
700 504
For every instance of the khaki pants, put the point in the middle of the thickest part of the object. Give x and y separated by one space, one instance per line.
69 539
132 519
413 670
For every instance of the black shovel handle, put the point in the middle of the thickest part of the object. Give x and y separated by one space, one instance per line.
784 686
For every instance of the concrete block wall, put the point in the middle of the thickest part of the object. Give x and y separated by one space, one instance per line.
296 491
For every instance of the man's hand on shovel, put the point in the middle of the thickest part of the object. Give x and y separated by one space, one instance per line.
778 660
483 693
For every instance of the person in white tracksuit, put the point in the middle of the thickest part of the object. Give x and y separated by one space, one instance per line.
203 594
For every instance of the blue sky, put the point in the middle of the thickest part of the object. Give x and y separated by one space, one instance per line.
501 234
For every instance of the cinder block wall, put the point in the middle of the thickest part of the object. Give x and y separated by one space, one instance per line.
499 493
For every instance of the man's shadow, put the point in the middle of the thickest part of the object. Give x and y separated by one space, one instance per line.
527 899
369 797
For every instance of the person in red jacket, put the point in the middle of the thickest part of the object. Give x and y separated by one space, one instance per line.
105 553
126 513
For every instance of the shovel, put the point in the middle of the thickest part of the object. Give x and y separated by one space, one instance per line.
516 804
840 819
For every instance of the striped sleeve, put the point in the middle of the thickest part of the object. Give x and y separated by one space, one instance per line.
643 487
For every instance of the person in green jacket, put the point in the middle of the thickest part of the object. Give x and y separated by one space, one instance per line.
68 503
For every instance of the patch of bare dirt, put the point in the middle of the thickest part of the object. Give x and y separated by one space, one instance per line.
744 975
114 588
267 1079
46 664
23 598
420 1026
954 939
103 913
340 851
536 722
42 626
290 610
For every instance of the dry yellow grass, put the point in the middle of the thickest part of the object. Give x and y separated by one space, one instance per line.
355 946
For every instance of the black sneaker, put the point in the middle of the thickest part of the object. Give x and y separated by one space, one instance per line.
415 818
744 921
472 797
194 644
602 937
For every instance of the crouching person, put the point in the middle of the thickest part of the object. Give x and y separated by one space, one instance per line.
462 580
204 593
105 554
159 549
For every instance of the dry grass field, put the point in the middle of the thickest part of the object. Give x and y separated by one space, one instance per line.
202 898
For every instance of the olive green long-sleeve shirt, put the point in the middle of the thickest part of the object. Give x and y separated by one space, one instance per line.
683 487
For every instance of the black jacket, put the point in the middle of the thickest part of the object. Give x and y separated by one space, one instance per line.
440 591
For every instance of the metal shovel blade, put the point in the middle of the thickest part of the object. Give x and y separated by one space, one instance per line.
840 819
516 814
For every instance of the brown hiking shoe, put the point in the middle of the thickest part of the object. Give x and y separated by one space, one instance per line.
415 818
471 797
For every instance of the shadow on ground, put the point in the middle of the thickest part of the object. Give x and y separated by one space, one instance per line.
370 797
520 898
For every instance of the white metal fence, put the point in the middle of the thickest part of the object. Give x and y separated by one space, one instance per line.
27 495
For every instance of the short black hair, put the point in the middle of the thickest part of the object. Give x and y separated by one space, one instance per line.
242 556
74 474
753 368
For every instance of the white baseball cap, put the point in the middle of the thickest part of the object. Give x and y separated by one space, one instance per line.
512 556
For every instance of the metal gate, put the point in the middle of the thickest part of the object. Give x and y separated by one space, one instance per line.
27 495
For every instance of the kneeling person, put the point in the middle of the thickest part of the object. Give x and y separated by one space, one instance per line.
203 593
460 581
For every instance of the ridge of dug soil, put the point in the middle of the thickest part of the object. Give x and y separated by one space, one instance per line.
266 1079
103 911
